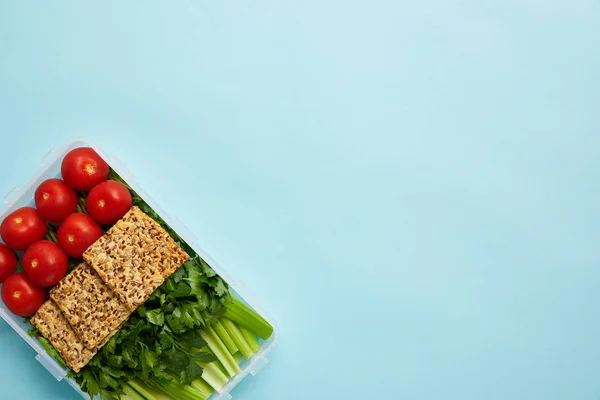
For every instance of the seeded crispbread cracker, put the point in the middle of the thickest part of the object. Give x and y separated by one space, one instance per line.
53 325
135 257
89 304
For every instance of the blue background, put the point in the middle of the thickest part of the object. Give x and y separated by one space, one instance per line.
409 188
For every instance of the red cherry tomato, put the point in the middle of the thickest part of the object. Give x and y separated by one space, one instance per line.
78 232
21 296
45 263
22 228
83 168
8 262
108 202
55 201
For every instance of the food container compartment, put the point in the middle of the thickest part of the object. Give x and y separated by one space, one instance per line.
23 196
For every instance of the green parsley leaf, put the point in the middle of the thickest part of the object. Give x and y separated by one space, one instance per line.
155 317
89 383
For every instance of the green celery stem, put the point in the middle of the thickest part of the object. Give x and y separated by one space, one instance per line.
220 365
220 351
147 392
198 390
213 375
225 337
130 394
250 339
243 315
203 387
237 336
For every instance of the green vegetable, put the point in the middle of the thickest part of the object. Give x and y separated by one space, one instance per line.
197 390
213 375
250 339
149 393
219 349
202 388
238 338
243 315
219 365
130 394
225 337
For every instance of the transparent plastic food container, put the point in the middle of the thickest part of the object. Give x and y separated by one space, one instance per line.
23 196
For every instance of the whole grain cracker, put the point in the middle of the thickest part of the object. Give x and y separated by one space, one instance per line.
89 304
135 257
53 325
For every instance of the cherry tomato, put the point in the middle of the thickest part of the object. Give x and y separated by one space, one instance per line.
108 202
45 263
21 296
22 228
78 232
55 201
83 168
8 262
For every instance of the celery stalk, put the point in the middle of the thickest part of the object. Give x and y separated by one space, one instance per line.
201 386
237 337
220 351
243 315
250 339
224 335
220 365
189 392
130 394
149 393
198 390
213 375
